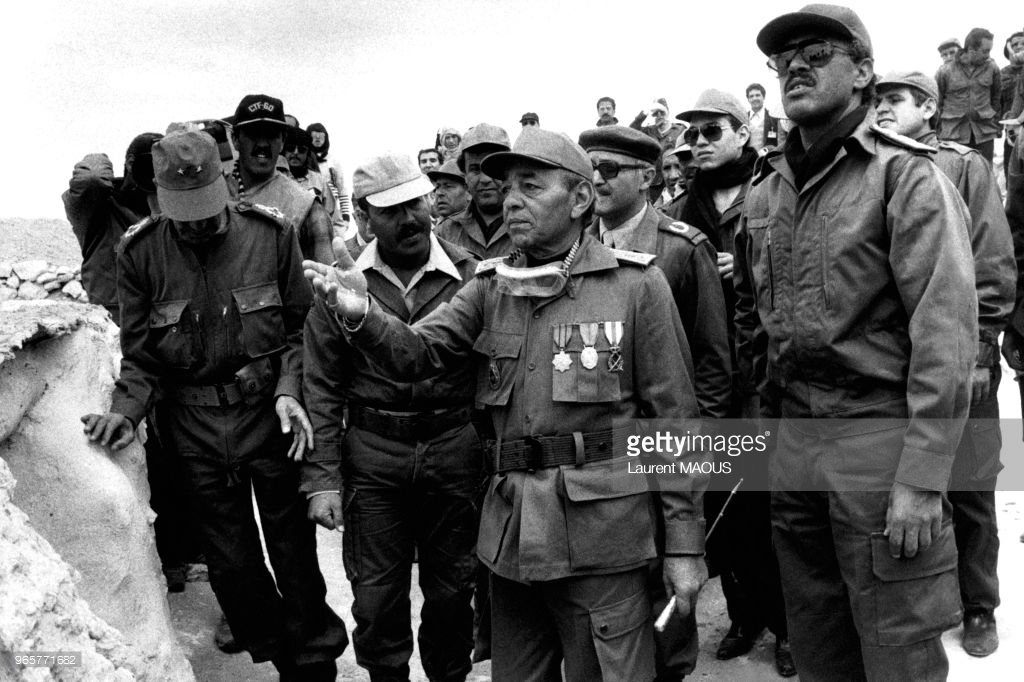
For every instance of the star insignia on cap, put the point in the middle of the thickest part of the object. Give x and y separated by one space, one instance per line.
190 170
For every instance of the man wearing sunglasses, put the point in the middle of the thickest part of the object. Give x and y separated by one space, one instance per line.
856 300
258 133
298 151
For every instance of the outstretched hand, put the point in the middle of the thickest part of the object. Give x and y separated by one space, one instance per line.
342 285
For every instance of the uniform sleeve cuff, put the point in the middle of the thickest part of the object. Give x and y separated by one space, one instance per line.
684 538
925 470
310 496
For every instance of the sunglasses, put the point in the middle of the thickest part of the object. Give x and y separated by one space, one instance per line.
296 148
712 132
610 169
816 53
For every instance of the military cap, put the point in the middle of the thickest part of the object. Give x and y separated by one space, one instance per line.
448 169
530 116
259 109
189 184
389 179
481 135
832 19
545 148
716 102
950 42
621 140
910 79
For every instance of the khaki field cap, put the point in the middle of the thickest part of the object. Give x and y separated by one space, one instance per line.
716 102
910 79
543 147
389 179
950 42
482 134
621 140
450 170
189 184
834 20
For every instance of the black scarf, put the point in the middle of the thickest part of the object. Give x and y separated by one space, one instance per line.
807 162
699 206
730 174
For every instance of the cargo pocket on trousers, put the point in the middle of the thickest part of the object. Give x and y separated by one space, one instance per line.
623 640
259 308
915 599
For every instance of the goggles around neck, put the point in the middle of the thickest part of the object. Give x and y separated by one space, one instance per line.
542 281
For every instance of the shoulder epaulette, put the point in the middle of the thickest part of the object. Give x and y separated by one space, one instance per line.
690 232
273 213
487 267
762 168
634 257
901 140
961 149
135 230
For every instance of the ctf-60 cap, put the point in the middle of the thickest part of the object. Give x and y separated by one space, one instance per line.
259 109
621 140
189 184
717 103
529 116
910 79
389 179
450 170
544 147
483 134
814 19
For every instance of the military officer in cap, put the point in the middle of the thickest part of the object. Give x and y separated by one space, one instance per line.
212 308
565 335
404 476
857 314
258 133
624 167
450 193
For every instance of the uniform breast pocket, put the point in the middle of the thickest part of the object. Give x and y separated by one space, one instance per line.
173 335
496 373
259 308
763 265
586 362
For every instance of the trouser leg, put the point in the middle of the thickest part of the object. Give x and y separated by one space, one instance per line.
525 646
446 480
678 645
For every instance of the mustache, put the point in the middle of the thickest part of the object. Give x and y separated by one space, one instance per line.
802 79
410 230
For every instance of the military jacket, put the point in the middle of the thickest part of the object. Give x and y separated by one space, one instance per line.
196 315
568 520
463 229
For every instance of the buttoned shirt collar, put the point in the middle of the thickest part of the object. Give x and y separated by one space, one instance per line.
438 260
623 233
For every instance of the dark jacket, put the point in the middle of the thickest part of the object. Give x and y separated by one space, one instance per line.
969 101
688 261
100 209
464 230
336 373
195 316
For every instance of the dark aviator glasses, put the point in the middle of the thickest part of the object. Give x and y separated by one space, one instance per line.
610 169
815 52
712 132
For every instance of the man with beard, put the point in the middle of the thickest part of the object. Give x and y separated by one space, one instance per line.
403 478
479 228
623 160
258 133
741 551
568 548
906 104
305 171
450 193
213 304
857 316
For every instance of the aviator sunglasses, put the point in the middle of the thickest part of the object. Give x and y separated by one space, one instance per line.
815 52
712 132
610 169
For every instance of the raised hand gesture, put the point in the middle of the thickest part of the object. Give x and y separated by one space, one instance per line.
342 286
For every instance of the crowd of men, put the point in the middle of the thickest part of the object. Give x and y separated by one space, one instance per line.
433 362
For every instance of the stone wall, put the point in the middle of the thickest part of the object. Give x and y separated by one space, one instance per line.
57 362
31 280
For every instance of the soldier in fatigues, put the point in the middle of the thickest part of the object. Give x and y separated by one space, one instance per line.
213 303
565 335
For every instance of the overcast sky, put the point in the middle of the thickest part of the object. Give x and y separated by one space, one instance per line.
82 77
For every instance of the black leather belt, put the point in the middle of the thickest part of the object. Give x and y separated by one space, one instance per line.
540 452
211 395
408 426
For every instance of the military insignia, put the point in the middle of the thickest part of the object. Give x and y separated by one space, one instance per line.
562 333
613 332
493 375
272 210
191 171
588 356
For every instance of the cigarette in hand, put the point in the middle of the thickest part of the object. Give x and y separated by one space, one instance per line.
666 613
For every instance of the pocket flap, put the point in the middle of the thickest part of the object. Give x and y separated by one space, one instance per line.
757 223
938 558
498 344
609 622
602 481
257 297
166 313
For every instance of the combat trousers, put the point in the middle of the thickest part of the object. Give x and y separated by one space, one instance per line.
228 454
972 494
400 497
601 625
854 612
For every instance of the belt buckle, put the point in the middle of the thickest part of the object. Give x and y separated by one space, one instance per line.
222 395
534 453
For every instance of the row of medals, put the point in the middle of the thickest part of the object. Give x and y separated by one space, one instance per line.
588 356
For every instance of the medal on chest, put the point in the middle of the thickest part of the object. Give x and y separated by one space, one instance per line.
588 356
562 333
613 332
